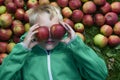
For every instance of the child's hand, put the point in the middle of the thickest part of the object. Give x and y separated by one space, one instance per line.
30 40
71 32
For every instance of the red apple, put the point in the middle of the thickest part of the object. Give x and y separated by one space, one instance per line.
75 4
32 3
79 27
99 2
43 33
26 18
80 35
115 6
1 2
3 47
5 34
62 3
19 14
57 31
16 22
105 8
99 19
11 7
66 12
113 40
5 20
10 46
18 30
77 15
106 30
69 22
88 20
42 2
100 40
16 39
116 28
111 18
19 3
89 7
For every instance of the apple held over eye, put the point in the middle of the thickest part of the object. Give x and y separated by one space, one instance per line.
5 20
57 31
42 34
116 28
100 40
106 30
79 27
3 47
105 8
111 18
113 40
75 4
5 34
62 3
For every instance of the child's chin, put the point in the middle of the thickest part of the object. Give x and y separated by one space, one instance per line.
49 47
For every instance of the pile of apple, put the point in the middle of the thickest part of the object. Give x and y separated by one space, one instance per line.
100 13
78 14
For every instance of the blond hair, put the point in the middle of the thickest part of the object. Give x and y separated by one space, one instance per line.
33 13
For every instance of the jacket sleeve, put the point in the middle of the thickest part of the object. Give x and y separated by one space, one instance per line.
91 66
12 64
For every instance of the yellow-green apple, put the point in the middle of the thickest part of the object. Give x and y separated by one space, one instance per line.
42 34
80 35
106 30
18 30
1 2
16 22
63 3
19 3
99 2
5 20
75 4
115 6
19 14
84 1
69 22
43 2
32 3
99 19
57 31
10 46
27 27
11 7
66 12
113 40
111 18
5 34
3 47
105 8
116 28
2 9
54 4
77 15
79 27
100 40
88 20
89 7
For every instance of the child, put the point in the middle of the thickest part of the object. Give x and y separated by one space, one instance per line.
65 59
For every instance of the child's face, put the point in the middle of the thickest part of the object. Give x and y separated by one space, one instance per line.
44 20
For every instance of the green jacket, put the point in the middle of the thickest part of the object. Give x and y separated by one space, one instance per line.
72 61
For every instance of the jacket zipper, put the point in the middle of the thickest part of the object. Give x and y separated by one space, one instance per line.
49 66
